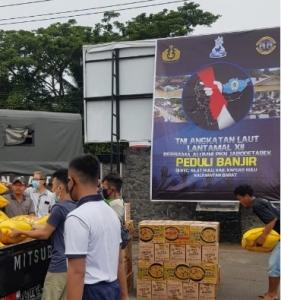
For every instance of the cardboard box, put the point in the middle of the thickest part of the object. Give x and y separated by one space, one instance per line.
130 282
146 251
193 254
190 290
130 226
204 233
161 252
127 258
144 289
211 273
174 290
150 270
128 252
177 252
151 231
128 265
204 273
210 253
127 210
176 270
158 290
177 232
207 291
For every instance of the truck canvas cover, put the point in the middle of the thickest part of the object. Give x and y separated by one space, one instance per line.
32 140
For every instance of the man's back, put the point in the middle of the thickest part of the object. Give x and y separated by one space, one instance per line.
266 211
93 230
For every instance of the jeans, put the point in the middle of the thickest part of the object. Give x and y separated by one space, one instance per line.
274 262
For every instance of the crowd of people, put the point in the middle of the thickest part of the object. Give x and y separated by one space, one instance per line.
84 224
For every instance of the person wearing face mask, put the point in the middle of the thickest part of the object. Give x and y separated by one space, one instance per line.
42 198
55 281
92 238
111 191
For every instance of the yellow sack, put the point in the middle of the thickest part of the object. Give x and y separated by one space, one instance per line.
41 220
3 188
251 235
26 218
1 245
3 202
3 216
6 229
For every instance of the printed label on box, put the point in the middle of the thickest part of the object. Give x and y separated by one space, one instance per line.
176 233
144 289
146 251
150 271
207 291
159 290
204 233
210 253
161 252
174 290
177 252
190 290
151 231
193 254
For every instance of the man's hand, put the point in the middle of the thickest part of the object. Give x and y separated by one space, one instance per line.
16 233
260 240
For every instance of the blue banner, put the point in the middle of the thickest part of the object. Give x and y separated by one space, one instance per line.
216 116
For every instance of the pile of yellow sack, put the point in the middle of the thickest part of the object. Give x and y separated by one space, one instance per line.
23 222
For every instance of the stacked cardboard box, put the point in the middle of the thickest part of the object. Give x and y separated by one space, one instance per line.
178 260
127 252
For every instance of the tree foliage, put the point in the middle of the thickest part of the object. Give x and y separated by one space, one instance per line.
42 69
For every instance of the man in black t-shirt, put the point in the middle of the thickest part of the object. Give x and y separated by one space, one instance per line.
270 216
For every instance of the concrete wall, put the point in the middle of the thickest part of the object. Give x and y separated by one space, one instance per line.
136 176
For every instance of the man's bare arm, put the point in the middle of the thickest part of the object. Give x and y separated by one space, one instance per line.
75 278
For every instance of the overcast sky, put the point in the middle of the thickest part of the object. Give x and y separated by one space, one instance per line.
235 14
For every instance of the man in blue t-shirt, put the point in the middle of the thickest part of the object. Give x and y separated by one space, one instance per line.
270 216
55 281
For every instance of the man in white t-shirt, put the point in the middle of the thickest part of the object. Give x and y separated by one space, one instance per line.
42 198
92 238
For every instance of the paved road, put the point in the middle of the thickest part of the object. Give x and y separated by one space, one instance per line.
243 273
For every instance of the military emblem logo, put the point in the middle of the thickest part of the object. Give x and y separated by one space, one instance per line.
218 51
171 54
265 45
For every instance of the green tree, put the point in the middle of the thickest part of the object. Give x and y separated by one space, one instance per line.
42 69
167 23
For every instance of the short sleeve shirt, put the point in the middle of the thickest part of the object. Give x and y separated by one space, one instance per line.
118 206
93 231
266 212
43 202
56 219
15 208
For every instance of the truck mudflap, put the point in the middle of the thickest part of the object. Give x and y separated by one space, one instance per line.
23 269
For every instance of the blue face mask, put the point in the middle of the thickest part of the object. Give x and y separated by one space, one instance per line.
35 184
